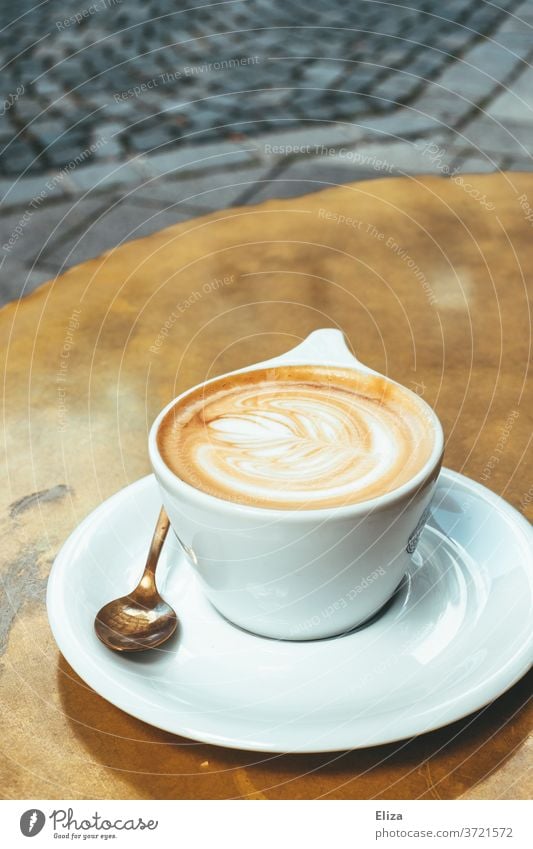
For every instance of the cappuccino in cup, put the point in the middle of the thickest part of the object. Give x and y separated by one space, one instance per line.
290 482
297 437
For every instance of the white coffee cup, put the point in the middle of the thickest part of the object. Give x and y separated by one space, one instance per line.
300 574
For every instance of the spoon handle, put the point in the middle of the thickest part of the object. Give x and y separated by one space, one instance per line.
147 583
160 533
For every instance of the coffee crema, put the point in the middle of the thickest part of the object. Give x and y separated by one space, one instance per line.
297 437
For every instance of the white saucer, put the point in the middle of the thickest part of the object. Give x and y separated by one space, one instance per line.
456 635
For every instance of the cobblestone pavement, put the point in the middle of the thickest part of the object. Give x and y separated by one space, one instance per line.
113 78
121 117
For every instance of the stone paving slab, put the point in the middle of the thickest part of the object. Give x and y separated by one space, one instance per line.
402 124
309 139
103 176
515 104
202 193
19 280
511 139
303 177
23 190
199 158
474 165
469 82
27 236
118 223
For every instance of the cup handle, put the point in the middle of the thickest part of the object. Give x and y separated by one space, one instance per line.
327 346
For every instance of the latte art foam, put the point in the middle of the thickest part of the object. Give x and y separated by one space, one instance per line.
297 437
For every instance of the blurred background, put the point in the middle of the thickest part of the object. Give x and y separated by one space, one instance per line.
118 117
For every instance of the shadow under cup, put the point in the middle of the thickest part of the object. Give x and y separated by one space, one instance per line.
299 574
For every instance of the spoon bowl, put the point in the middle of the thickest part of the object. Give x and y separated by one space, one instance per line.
126 624
141 620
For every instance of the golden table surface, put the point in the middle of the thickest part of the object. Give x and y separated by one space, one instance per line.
426 276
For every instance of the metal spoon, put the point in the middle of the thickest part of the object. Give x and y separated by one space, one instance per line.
141 620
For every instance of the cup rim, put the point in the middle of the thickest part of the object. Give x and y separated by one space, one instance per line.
172 481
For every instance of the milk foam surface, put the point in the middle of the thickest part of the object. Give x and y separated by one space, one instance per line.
297 437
